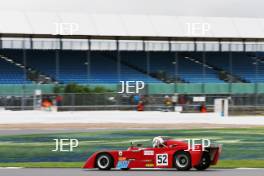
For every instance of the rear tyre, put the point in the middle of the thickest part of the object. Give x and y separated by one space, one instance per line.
182 161
205 162
104 161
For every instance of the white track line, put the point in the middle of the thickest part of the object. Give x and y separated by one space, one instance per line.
248 168
11 167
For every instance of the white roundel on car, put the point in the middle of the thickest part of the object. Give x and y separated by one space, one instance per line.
162 159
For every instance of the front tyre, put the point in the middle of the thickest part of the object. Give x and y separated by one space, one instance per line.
104 161
182 161
205 162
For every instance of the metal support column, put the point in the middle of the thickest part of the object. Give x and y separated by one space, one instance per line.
57 59
220 45
24 56
1 42
88 61
230 68
148 64
118 54
57 64
256 82
204 71
176 71
244 45
195 45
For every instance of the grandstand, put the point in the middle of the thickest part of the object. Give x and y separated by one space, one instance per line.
172 53
163 50
188 67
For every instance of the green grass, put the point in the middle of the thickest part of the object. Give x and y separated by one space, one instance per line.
243 145
44 164
222 164
240 164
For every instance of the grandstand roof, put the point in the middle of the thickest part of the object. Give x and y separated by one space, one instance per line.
131 25
137 18
206 8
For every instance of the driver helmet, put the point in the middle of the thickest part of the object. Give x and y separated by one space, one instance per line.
158 142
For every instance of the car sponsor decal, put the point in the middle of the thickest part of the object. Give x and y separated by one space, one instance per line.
150 165
162 159
121 158
149 152
120 153
122 164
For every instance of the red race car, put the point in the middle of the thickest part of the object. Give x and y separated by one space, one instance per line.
165 153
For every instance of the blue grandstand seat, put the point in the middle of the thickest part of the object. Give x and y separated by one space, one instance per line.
73 67
163 61
242 65
11 74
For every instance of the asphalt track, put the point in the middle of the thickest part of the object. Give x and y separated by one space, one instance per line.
80 172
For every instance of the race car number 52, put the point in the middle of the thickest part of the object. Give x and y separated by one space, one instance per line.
162 159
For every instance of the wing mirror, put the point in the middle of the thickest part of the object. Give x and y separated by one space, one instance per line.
139 145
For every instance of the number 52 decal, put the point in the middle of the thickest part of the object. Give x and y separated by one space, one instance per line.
162 159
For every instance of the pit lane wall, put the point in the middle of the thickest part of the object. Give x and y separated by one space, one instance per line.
148 117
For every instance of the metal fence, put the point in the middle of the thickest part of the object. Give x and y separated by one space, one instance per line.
238 104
